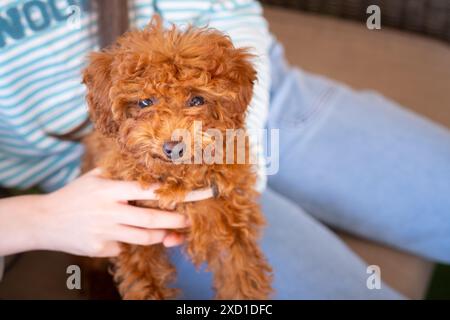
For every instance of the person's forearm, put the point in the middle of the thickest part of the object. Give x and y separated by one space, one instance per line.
89 217
18 228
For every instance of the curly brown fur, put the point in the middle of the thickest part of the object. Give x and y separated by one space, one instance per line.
172 66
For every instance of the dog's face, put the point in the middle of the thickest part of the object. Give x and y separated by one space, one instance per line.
155 81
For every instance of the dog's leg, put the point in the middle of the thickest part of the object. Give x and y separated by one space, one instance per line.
226 237
241 272
144 272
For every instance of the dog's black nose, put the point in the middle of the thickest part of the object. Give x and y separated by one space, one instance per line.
173 149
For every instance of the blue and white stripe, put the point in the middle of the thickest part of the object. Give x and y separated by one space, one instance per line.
40 89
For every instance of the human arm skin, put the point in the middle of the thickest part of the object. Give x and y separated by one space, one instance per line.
88 217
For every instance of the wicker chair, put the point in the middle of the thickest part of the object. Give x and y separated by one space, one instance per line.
430 17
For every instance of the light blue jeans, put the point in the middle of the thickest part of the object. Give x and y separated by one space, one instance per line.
352 160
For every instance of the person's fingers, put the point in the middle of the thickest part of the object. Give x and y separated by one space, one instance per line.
143 237
150 218
131 190
122 190
200 194
173 239
111 249
94 172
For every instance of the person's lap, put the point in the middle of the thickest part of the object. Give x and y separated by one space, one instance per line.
308 260
361 163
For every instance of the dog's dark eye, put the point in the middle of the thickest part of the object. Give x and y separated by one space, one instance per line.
144 103
196 101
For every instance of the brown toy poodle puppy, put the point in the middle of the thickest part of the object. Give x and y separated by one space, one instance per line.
140 90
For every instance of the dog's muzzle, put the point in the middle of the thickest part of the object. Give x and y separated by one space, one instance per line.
173 150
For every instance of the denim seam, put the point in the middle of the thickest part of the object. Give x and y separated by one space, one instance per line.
303 118
325 102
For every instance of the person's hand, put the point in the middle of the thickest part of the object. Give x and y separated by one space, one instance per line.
91 217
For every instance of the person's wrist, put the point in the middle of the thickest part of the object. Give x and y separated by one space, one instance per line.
20 224
37 231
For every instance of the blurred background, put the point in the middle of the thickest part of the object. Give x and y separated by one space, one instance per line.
407 60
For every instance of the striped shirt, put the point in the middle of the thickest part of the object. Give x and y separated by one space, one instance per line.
43 47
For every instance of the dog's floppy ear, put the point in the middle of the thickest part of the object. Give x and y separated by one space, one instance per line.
97 78
243 75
